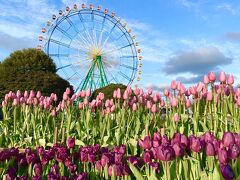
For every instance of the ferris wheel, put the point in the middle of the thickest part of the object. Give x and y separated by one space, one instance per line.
91 47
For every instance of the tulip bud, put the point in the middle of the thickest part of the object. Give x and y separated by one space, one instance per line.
176 117
178 149
134 107
227 171
222 156
71 142
230 79
174 102
147 156
222 77
228 139
212 77
154 108
146 143
173 85
209 149
206 80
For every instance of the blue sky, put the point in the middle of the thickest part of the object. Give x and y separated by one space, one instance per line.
180 39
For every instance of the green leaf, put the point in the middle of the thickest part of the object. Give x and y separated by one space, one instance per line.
79 142
42 142
135 171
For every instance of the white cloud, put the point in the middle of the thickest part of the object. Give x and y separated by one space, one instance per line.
228 8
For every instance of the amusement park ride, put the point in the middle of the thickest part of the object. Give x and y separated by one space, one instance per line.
91 47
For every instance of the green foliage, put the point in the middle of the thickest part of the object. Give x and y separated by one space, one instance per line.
30 69
108 90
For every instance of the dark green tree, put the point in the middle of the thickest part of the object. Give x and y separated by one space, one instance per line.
30 69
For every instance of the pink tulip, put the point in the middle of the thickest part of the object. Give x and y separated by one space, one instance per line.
212 77
188 103
65 96
154 108
206 80
209 96
230 79
166 92
101 96
85 101
25 94
134 107
88 92
55 98
174 102
113 108
173 85
238 101
162 103
155 98
193 90
114 94
222 77
187 92
19 93
53 113
149 104
176 117
80 105
125 95
83 93
136 91
15 102
199 87
118 93
68 91
149 91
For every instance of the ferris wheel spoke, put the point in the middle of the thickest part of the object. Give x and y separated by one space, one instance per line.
64 32
109 52
106 40
83 40
122 57
100 36
127 66
125 76
114 78
64 44
85 29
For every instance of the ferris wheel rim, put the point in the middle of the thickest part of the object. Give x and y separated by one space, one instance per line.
108 17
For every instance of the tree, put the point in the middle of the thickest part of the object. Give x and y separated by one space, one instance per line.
30 69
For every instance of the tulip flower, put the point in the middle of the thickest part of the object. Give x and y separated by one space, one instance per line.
228 139
227 171
212 77
71 142
176 117
148 156
222 77
146 143
173 85
209 149
178 149
222 156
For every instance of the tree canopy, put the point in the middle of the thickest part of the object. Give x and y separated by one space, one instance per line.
30 69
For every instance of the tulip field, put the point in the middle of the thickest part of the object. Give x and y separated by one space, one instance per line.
183 133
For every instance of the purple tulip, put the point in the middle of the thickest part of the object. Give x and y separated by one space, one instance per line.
237 138
83 157
156 142
234 151
165 140
22 178
118 157
222 156
81 176
52 176
147 156
209 149
227 172
71 143
216 144
135 161
37 178
195 144
146 143
126 170
155 166
55 169
72 168
31 158
38 169
11 173
91 158
208 137
105 160
228 139
165 153
99 165
178 149
116 169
